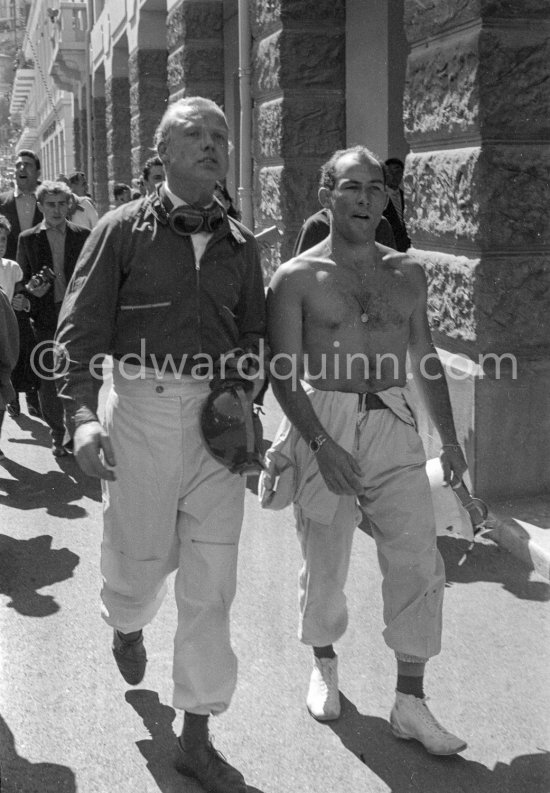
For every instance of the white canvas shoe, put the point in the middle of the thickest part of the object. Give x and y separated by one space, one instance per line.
323 697
411 719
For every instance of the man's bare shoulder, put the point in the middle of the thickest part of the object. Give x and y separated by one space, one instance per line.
402 262
302 269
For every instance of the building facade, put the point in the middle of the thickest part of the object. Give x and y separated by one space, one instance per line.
458 88
42 104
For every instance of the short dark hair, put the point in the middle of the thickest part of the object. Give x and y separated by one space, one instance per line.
77 176
32 154
121 187
395 161
328 170
149 164
4 223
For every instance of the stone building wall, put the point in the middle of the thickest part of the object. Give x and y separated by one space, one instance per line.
195 50
101 174
298 84
478 180
117 122
148 77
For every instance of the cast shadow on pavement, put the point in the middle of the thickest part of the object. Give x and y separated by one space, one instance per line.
55 490
489 562
18 775
39 433
485 562
28 565
405 767
159 751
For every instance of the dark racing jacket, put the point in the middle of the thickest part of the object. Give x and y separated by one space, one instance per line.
138 294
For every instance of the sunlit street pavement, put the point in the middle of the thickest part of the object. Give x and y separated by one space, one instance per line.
68 722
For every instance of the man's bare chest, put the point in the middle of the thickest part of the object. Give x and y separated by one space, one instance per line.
382 304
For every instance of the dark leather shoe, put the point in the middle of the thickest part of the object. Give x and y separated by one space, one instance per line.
201 761
58 450
130 657
14 408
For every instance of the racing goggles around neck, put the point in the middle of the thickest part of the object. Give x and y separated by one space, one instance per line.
186 220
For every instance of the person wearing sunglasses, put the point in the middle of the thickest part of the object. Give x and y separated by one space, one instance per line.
172 288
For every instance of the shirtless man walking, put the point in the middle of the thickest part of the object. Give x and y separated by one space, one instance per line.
342 317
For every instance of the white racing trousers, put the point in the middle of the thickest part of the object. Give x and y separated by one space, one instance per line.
398 503
172 507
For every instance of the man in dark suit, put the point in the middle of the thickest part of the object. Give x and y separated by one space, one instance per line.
395 208
49 250
20 208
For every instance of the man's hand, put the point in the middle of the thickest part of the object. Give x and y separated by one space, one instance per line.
90 440
239 369
453 463
341 472
38 291
21 302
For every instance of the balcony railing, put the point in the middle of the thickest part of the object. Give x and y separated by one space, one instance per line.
68 36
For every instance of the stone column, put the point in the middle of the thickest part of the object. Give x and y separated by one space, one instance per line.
77 141
117 118
148 101
478 175
195 50
298 76
100 174
83 119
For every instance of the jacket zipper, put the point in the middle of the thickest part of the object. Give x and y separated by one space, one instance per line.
198 296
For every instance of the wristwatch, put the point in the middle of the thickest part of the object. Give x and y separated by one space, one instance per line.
316 443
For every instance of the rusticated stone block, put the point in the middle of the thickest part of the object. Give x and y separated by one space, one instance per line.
511 60
148 96
288 194
267 64
499 305
440 204
451 282
425 18
117 120
100 173
288 59
268 135
512 298
442 94
77 143
301 126
194 19
267 13
267 195
491 199
196 64
456 87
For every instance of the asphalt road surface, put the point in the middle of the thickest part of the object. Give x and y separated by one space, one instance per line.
69 723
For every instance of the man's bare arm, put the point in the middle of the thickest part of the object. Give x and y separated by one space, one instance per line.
339 469
431 381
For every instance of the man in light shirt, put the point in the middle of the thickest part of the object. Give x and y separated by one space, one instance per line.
50 248
85 213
